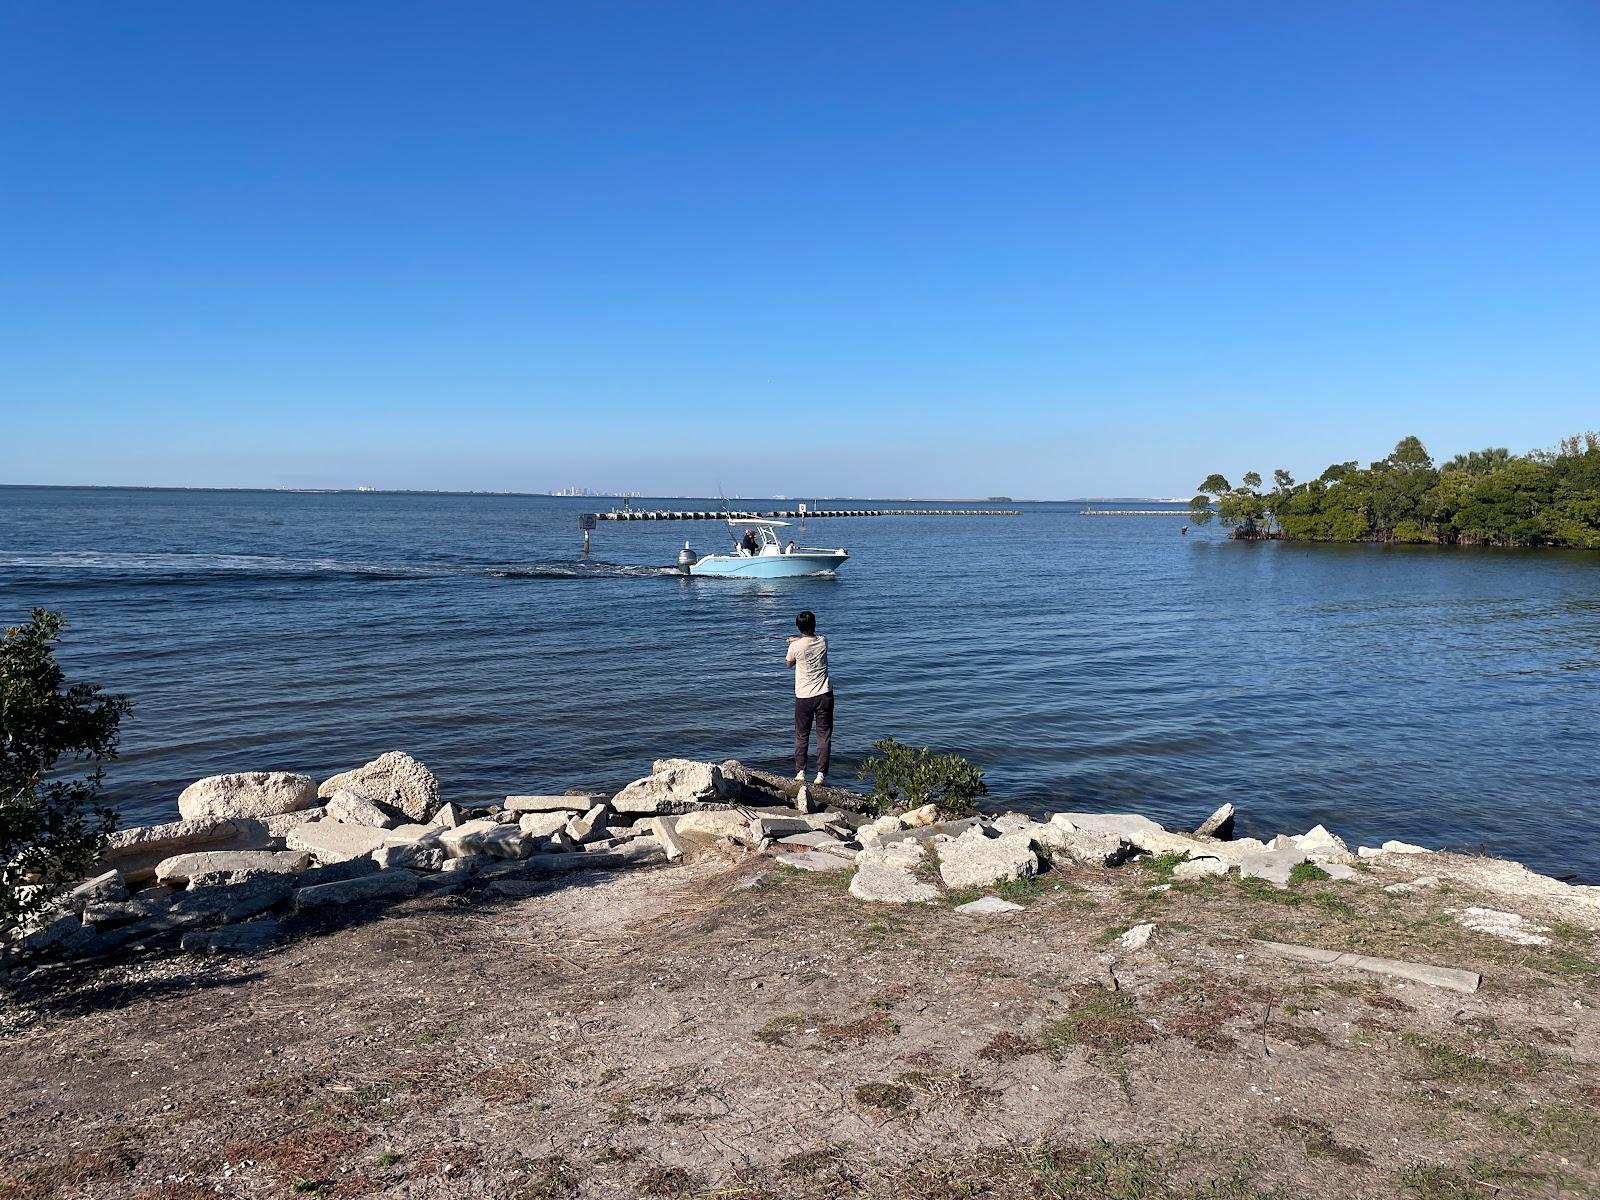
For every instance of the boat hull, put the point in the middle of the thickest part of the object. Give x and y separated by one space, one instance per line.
769 566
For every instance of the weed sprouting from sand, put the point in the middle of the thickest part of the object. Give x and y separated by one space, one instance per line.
1161 866
667 1181
1470 1180
885 1097
780 1029
551 1178
1319 1140
1443 1061
1003 1047
1307 872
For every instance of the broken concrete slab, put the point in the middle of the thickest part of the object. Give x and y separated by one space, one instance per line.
393 884
419 856
712 823
813 860
334 841
1440 977
886 884
230 903
568 804
1392 847
591 826
543 824
675 785
976 860
350 805
1218 825
1199 868
137 851
181 868
987 906
665 831
1085 847
484 836
1136 938
1275 866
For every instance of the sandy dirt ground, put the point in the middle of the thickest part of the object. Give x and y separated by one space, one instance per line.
732 1029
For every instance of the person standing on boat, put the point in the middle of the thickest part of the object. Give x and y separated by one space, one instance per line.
813 695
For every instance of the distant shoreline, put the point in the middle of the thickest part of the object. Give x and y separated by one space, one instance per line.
330 491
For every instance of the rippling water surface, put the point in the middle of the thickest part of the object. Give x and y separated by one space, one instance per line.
1446 696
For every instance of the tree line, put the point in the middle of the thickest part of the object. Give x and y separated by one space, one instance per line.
1482 498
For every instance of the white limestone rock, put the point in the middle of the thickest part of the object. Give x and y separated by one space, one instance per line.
181 868
1274 866
812 860
885 883
247 794
1321 844
1087 847
137 851
710 823
591 826
927 814
985 906
975 860
380 885
1136 938
1199 868
353 807
395 779
483 836
277 826
1218 825
419 856
666 833
566 804
675 785
334 841
542 824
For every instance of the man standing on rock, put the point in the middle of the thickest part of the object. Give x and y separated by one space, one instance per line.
813 695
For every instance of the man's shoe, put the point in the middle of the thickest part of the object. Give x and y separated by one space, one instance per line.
819 781
800 775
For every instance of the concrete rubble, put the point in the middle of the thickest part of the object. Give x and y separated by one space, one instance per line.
258 851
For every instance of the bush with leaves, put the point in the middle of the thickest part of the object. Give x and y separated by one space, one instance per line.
906 777
53 826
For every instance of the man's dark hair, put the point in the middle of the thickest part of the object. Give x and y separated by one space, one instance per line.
806 622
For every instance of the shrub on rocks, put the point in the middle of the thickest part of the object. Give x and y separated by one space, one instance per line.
55 739
903 777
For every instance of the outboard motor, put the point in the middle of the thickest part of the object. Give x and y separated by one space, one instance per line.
687 558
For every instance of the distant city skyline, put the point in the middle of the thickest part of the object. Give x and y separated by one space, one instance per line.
1038 249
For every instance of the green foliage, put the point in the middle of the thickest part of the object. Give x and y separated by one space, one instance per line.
903 777
1484 497
54 741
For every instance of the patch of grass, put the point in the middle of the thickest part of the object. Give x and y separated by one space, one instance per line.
1336 905
886 1097
311 1187
1161 866
859 1031
1307 872
440 1033
549 1178
622 1112
667 1181
387 1159
1470 1180
1443 1061
1100 1020
952 1088
1253 887
1319 1140
1003 1047
811 1162
780 1029
1110 934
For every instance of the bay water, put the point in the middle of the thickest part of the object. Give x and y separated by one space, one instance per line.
1447 696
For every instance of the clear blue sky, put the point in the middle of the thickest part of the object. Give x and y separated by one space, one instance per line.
1047 250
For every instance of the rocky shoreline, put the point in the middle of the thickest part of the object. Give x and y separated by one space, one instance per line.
254 850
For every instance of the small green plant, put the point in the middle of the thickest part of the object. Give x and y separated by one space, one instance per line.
904 777
387 1159
887 1097
1307 872
1161 866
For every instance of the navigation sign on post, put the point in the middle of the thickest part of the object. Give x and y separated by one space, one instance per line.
587 521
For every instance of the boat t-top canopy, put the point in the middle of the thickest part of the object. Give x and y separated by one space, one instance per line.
755 521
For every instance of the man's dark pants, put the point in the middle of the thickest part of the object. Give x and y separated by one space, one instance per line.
806 710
